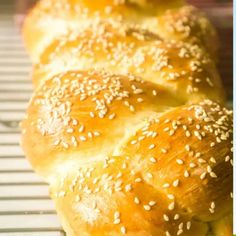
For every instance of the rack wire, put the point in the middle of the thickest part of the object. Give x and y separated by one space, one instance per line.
25 206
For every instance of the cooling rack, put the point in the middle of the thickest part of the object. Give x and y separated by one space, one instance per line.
25 206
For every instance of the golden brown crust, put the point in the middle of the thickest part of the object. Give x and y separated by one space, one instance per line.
223 226
110 143
113 195
79 109
184 69
171 21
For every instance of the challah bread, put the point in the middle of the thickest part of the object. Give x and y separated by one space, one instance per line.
123 159
127 123
82 108
172 20
184 69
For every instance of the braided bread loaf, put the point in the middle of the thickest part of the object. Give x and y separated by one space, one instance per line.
127 123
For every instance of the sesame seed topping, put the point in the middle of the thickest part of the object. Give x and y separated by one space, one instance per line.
152 203
180 161
147 207
171 196
116 221
153 159
176 216
151 146
123 230
188 225
171 206
213 175
149 175
176 183
186 174
136 200
166 185
154 92
203 175
166 217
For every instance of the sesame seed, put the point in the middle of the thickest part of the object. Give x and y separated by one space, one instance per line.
212 144
176 216
171 196
187 148
186 174
213 175
74 122
180 161
117 214
187 133
92 115
56 142
131 108
171 132
138 180
176 183
151 146
166 185
128 187
171 206
146 207
198 154
123 230
81 129
136 200
200 160
153 159
154 92
192 165
181 225
213 160
167 233
152 203
209 169
116 221
82 138
212 211
180 231
188 225
140 100
70 130
166 129
133 142
227 158
112 116
203 175
166 217
77 198
149 175
138 91
96 133
163 150
213 205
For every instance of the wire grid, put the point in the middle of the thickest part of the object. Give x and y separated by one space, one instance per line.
25 206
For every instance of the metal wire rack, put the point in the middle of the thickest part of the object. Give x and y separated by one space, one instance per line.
25 207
